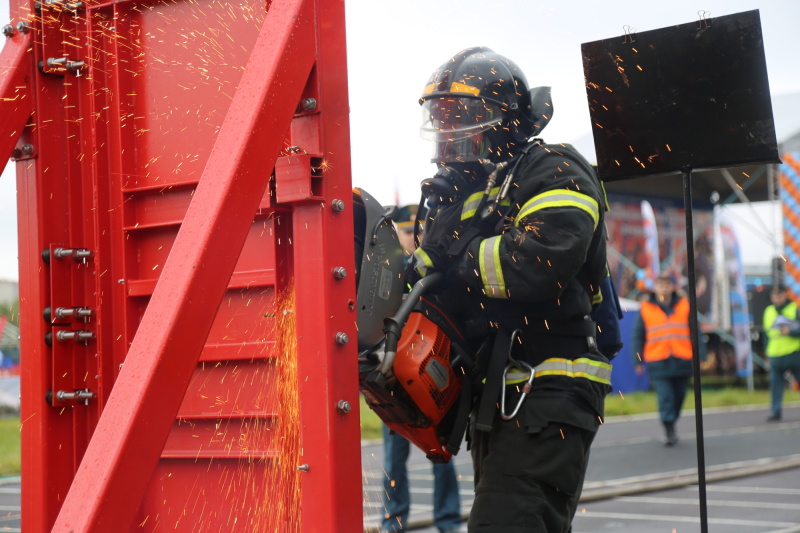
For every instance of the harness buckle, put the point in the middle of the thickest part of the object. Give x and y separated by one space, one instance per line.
526 388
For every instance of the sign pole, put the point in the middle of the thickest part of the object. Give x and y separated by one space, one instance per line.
693 330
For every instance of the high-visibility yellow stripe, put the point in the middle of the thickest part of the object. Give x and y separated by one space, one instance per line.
456 87
560 198
494 284
423 262
472 202
597 298
578 368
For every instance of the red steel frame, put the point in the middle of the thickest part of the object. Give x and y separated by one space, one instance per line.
180 165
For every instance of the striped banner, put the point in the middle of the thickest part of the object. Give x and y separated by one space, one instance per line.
790 205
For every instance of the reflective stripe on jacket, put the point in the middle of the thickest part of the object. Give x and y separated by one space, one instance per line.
583 367
779 345
666 335
490 267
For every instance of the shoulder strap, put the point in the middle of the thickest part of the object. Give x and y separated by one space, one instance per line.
494 381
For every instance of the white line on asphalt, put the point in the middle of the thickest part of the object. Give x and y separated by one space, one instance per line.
793 529
690 435
583 515
718 503
747 490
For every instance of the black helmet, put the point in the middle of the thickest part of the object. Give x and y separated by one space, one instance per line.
477 106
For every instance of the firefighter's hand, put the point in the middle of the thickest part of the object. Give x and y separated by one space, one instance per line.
434 253
428 258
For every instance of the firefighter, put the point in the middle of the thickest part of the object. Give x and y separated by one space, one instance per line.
517 227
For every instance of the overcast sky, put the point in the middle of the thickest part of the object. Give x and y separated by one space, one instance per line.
393 47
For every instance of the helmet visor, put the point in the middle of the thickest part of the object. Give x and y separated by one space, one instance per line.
452 119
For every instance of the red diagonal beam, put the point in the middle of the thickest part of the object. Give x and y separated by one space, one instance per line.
130 435
16 104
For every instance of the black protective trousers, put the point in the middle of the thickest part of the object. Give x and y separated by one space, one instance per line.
529 471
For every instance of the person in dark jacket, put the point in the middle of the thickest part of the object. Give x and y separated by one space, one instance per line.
516 226
661 341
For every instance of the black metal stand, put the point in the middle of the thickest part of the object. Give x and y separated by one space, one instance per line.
693 330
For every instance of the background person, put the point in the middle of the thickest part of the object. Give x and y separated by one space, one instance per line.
661 341
396 497
782 337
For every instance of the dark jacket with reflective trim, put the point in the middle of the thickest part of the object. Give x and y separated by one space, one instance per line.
552 259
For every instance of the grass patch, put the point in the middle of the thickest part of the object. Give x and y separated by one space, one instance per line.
10 459
635 403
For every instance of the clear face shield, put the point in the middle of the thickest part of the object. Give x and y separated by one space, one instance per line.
457 127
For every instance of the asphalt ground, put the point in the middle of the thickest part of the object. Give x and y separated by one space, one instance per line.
634 483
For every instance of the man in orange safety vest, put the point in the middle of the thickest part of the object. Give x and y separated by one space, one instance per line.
661 341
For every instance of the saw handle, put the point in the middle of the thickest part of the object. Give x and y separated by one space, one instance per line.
393 326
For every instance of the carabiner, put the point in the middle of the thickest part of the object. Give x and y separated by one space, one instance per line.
526 388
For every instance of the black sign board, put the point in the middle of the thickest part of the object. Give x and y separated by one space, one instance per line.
679 98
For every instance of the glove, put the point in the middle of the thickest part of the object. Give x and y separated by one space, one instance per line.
430 257
441 232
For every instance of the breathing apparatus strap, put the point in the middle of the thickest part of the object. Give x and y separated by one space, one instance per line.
494 381
462 416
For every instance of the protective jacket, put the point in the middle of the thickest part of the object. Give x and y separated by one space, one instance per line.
666 334
779 345
534 261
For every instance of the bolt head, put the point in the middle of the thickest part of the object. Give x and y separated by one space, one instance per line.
337 205
8 30
343 407
309 104
342 338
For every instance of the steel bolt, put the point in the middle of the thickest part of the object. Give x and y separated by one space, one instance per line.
16 153
343 407
27 149
304 468
309 104
339 273
63 395
80 336
337 205
8 30
81 254
23 27
77 312
61 253
342 338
